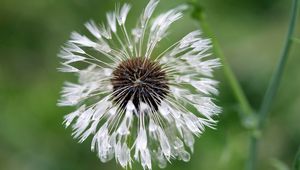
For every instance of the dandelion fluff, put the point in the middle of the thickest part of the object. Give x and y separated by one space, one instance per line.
135 105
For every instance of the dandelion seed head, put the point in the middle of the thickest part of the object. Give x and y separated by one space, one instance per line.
139 80
137 104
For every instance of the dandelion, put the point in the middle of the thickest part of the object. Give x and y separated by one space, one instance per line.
137 105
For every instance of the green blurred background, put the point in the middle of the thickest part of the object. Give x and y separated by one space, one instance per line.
251 33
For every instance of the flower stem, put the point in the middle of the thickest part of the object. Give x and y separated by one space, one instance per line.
231 78
273 85
275 81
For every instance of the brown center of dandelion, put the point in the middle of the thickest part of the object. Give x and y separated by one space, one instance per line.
139 80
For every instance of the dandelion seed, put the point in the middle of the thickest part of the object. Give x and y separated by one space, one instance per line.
137 105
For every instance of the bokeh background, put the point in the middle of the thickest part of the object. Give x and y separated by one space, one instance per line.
251 33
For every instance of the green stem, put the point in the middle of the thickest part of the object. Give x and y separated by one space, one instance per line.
251 162
273 85
275 81
234 84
